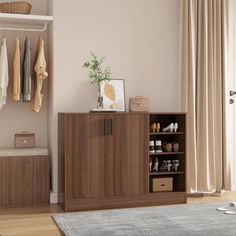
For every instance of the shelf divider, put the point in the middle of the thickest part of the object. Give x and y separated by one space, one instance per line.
165 133
166 173
165 153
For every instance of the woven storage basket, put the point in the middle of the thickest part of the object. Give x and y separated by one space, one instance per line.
15 7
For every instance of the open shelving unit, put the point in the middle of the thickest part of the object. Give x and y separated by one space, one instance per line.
179 176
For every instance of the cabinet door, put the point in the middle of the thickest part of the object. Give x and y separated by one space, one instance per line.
117 153
138 153
127 155
76 138
84 137
24 180
105 155
97 157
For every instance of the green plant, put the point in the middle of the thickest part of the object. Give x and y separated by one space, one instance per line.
96 73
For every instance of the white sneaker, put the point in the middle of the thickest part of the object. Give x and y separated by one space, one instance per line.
230 212
230 208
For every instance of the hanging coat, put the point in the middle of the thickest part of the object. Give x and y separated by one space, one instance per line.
26 75
4 74
16 72
41 75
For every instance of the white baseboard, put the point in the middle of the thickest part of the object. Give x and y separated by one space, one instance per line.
53 198
233 188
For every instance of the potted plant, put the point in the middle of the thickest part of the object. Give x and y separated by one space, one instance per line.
97 74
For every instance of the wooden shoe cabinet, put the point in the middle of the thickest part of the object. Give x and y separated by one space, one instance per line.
104 160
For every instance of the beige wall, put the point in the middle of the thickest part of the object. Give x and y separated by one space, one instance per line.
140 40
17 117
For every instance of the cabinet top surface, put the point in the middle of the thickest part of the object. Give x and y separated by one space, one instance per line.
104 113
125 113
167 113
11 152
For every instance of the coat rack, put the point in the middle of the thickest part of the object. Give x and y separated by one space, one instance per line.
24 20
44 28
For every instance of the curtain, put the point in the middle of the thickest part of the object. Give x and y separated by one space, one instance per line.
203 58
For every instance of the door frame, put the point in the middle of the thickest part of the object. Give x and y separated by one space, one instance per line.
230 109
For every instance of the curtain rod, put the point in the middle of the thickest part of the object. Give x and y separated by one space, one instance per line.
25 29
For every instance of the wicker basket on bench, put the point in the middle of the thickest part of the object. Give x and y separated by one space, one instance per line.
15 7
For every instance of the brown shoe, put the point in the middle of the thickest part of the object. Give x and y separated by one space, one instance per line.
175 147
167 147
153 127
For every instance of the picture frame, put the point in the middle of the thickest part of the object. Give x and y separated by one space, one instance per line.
113 93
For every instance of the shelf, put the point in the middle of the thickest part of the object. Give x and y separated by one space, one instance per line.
168 192
18 152
166 153
24 19
16 21
167 173
165 133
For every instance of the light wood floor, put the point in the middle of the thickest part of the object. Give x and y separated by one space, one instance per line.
37 221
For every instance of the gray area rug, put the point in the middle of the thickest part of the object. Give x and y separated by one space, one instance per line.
180 220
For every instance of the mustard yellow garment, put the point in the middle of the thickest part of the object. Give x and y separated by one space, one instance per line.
16 72
41 74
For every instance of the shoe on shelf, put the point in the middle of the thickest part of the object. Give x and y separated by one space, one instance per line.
175 147
150 165
153 127
167 147
176 127
158 127
175 165
169 128
155 168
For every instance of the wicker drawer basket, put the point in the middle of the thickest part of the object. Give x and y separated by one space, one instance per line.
15 7
162 184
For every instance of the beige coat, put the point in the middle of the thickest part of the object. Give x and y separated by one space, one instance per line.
17 72
41 74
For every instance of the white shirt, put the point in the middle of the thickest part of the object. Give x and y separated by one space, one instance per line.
4 75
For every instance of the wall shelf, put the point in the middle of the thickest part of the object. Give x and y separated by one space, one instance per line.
24 19
41 22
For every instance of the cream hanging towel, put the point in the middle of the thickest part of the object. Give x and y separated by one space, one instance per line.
4 75
17 72
40 69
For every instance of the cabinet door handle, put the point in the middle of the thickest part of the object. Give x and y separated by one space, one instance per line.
110 127
107 126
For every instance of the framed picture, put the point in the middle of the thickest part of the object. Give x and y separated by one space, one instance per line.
113 93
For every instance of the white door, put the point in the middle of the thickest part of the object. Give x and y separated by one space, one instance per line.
230 90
